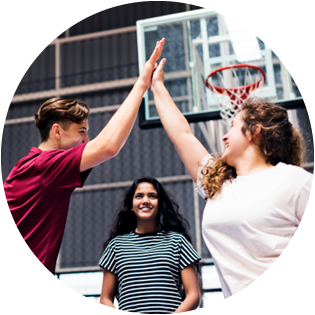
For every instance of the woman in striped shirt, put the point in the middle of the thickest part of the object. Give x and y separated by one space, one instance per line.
149 262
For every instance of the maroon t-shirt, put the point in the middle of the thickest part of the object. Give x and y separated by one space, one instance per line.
38 191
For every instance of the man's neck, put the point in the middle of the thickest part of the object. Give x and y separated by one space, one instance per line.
47 145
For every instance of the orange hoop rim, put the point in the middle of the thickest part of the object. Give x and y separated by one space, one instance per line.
231 91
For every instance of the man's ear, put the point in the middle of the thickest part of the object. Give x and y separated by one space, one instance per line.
55 131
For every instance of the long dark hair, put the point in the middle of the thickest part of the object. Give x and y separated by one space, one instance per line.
169 218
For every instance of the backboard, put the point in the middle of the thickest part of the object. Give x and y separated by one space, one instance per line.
198 42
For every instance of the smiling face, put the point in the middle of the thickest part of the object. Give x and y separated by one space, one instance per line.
236 142
74 135
145 203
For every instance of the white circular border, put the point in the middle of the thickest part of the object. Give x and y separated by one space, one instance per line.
27 27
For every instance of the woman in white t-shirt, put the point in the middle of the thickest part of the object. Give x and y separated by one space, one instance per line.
255 193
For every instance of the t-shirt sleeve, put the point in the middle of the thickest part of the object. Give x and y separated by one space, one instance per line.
205 161
60 169
187 254
108 260
303 197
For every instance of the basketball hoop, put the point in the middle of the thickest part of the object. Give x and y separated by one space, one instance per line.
246 78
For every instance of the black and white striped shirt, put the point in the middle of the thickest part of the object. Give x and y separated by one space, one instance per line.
148 269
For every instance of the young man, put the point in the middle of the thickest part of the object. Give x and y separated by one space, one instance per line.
39 187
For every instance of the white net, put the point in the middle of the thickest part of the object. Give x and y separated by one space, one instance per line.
231 87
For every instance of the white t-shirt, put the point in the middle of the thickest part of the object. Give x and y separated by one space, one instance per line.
249 224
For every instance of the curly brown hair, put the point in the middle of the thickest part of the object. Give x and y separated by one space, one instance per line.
61 111
278 141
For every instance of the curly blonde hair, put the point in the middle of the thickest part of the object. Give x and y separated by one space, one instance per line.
279 141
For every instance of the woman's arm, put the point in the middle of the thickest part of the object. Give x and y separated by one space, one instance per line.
109 288
189 148
190 283
114 135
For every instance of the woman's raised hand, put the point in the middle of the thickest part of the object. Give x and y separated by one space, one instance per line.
158 75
